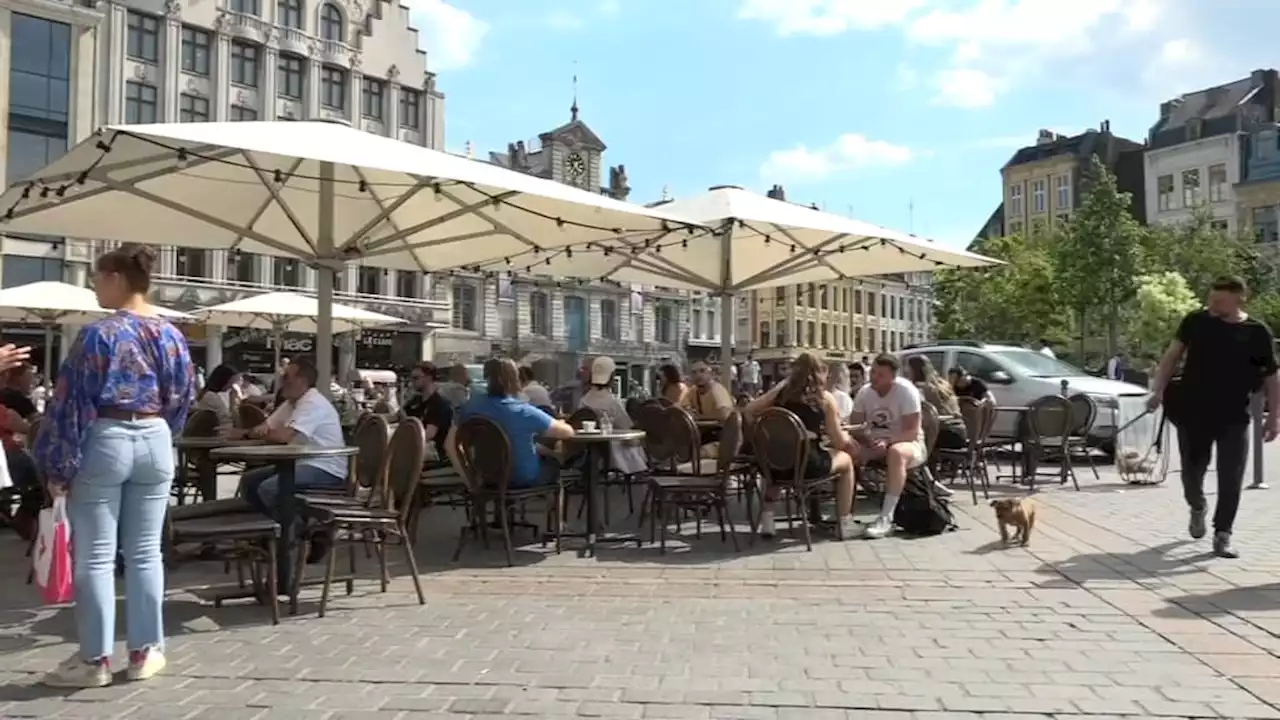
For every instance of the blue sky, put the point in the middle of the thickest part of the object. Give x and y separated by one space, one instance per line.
898 112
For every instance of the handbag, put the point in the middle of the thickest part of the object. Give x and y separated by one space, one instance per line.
1174 401
51 559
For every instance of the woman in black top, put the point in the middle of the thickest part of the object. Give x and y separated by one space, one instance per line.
804 393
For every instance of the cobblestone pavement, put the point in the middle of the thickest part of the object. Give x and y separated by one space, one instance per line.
1110 612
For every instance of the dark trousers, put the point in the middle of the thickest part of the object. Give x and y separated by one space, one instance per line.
1196 443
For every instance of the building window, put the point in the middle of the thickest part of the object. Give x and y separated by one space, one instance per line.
822 335
21 270
1062 186
333 87
1015 227
40 63
1266 224
1164 192
857 302
143 37
193 108
290 74
369 281
811 335
244 266
286 272
330 22
289 13
246 7
1217 182
410 108
196 46
240 113
464 307
764 334
844 337
780 333
139 103
1015 199
539 314
695 323
371 99
780 296
244 64
609 319
192 263
407 283
664 324
871 304
857 339
1191 188
1220 226
1037 196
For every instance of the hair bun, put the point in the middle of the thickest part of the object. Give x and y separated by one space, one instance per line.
144 256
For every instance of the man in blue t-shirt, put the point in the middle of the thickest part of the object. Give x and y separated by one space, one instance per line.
532 464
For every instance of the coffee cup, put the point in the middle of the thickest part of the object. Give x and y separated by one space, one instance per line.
589 426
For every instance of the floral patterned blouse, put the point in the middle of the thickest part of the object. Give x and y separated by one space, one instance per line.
128 361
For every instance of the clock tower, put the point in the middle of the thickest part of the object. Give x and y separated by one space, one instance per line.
575 153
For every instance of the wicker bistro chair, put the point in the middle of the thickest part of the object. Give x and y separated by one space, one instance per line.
966 463
669 495
782 446
1049 423
381 518
1084 413
651 417
197 475
367 467
485 453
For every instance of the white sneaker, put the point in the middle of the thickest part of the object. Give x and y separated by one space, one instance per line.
145 664
847 528
942 490
766 524
882 527
76 673
1259 486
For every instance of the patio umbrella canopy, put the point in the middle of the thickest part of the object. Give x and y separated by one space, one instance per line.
758 243
282 312
321 192
52 303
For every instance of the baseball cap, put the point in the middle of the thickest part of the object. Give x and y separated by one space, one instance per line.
602 370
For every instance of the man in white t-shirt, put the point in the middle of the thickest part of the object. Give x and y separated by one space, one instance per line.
888 410
306 417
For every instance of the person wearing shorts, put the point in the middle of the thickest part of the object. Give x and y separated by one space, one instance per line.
887 409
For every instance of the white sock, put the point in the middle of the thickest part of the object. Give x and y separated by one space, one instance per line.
890 505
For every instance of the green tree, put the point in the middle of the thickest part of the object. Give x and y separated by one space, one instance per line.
1099 257
1010 302
1152 319
1201 253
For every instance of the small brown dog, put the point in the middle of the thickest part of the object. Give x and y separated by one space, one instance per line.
1018 513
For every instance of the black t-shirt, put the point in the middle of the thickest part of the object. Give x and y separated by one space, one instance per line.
1225 362
976 389
432 410
17 402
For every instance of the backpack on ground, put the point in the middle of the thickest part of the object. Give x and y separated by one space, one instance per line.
920 510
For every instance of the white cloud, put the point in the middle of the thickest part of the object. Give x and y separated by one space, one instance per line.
990 45
851 151
827 17
451 36
610 7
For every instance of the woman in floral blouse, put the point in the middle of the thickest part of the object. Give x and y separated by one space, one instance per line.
107 443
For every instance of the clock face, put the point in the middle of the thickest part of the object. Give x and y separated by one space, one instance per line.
575 166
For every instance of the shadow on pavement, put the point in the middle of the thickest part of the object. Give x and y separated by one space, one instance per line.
1146 564
1255 599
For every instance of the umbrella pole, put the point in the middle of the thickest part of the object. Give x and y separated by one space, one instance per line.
324 281
48 351
277 339
726 307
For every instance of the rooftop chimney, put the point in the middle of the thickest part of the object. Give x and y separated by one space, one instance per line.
1106 126
1045 137
777 193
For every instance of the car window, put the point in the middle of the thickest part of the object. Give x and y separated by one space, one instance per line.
936 359
979 366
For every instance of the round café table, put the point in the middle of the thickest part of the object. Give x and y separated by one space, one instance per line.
285 458
596 449
207 475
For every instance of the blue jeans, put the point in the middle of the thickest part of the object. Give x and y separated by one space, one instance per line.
260 486
119 498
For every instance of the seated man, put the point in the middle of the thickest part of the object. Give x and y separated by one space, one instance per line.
707 399
17 413
887 411
532 464
305 417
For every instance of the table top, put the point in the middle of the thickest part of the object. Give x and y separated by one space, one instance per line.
212 443
708 422
596 437
1012 408
281 452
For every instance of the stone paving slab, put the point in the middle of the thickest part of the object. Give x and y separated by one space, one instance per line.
1110 612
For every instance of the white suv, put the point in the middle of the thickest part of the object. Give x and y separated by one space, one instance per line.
1017 376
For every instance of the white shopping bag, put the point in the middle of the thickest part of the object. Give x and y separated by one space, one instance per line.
6 481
